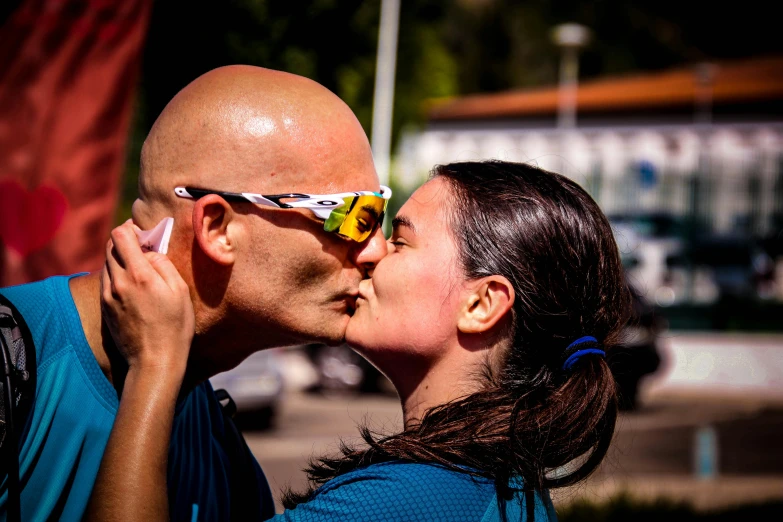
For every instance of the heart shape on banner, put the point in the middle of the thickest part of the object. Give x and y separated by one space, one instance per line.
29 219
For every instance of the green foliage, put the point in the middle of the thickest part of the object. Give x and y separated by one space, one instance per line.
623 508
444 49
129 181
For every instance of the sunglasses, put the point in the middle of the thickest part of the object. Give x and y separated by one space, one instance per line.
351 215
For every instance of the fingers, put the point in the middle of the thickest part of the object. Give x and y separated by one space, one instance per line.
127 265
127 253
112 266
106 292
167 271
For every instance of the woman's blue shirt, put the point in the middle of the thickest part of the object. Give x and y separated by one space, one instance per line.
405 491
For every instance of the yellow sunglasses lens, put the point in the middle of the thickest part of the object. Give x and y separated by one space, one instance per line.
357 218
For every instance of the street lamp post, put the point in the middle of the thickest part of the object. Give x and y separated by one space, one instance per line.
383 102
570 38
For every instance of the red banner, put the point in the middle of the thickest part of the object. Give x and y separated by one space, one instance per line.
68 70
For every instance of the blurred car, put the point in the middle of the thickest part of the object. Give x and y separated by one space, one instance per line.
637 355
718 267
256 387
737 264
653 225
645 243
341 370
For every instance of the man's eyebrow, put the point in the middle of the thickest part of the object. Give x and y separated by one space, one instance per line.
402 221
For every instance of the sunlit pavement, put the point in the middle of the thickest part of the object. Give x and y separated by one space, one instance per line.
727 385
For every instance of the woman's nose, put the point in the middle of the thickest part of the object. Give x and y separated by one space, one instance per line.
368 253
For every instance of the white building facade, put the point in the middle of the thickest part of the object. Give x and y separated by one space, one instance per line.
730 175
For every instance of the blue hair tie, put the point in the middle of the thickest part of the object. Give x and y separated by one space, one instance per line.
576 355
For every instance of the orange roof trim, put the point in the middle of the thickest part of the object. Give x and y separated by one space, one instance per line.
759 79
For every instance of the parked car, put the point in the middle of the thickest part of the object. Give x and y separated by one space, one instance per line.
657 225
737 264
637 355
715 268
645 243
256 387
341 370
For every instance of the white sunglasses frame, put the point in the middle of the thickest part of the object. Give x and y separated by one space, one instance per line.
320 204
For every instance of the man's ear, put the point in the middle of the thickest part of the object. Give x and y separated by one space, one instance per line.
489 301
213 228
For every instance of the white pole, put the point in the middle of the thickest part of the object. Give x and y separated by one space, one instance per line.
383 102
570 38
569 74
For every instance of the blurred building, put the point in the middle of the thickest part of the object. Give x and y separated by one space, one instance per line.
702 142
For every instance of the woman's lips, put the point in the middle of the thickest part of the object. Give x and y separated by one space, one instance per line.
364 289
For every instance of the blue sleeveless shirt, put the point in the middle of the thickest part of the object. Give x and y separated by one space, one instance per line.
73 413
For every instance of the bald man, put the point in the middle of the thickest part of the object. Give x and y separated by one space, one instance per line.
259 276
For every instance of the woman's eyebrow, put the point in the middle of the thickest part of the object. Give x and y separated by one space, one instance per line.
402 221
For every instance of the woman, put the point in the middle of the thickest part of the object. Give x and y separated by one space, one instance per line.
490 315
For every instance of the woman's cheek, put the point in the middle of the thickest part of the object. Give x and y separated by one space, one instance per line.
416 306
409 296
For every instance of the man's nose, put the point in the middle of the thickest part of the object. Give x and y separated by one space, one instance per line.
368 253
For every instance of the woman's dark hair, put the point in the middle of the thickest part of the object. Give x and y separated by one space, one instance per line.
531 418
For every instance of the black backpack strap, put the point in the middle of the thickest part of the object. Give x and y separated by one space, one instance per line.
17 393
19 342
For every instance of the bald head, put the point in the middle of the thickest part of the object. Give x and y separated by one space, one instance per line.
249 129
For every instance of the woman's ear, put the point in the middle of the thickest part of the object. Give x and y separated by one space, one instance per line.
489 300
213 229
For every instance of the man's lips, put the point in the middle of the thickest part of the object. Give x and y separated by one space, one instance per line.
350 300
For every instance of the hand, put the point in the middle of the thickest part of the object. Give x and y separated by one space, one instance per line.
146 305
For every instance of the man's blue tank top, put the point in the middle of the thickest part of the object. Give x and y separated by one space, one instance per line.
72 417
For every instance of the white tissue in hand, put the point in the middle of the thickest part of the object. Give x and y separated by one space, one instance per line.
157 239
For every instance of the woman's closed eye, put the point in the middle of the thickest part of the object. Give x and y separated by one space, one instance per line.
397 242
